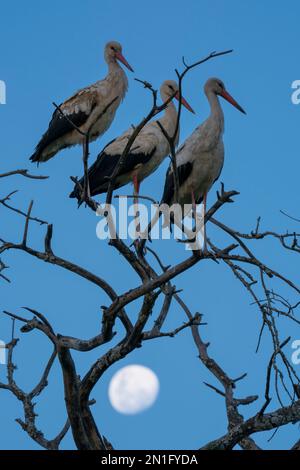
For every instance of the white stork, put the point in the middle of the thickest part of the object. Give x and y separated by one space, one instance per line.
200 159
148 150
91 109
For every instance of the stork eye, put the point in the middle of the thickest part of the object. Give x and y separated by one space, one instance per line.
171 88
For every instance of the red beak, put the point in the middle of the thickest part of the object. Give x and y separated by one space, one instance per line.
184 103
122 59
232 101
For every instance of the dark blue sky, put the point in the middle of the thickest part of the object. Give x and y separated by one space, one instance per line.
48 51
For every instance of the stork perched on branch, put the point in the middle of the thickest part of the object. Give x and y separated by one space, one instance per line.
89 112
147 152
200 159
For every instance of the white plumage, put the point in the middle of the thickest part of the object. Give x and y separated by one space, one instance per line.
200 159
148 150
85 109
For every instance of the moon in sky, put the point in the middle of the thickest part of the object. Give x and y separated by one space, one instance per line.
133 389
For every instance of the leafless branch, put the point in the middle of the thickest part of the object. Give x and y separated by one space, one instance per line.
236 251
23 173
18 211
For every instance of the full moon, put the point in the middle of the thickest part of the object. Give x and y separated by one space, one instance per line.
133 389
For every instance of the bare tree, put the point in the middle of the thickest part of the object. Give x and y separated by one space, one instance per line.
260 281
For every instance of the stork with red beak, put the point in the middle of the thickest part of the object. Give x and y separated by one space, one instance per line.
91 109
200 159
147 152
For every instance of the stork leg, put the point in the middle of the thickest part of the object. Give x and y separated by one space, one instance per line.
204 225
86 185
194 207
136 185
194 211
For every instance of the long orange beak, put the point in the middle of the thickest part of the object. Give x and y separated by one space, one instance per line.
232 101
122 59
184 103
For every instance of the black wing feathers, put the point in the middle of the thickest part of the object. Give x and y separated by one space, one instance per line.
184 172
58 127
104 167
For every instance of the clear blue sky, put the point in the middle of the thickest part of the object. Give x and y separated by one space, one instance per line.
49 50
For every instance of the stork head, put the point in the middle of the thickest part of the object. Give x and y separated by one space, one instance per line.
216 86
113 52
170 88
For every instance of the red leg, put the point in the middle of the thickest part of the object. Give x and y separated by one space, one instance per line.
204 226
136 185
194 208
